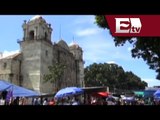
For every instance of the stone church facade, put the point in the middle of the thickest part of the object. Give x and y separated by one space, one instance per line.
28 67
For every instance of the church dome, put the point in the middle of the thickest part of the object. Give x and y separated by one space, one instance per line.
74 45
37 17
63 44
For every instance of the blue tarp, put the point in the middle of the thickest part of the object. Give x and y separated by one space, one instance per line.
4 85
17 90
149 93
157 93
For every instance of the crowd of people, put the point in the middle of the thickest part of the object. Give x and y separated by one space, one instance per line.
83 99
39 100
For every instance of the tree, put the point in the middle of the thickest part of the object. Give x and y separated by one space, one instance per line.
113 76
55 73
146 48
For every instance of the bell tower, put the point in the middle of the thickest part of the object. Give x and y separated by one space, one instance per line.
37 29
77 52
37 53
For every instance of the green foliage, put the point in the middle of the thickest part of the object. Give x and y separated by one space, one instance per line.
113 76
146 48
101 22
55 72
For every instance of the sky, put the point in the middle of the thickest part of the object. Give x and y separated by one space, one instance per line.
97 43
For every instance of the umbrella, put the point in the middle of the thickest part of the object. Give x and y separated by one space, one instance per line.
128 98
101 94
104 94
69 91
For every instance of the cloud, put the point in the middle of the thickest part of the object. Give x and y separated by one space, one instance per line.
151 82
84 20
111 62
87 32
8 53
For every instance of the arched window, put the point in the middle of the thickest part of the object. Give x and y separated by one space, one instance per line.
45 36
31 35
4 65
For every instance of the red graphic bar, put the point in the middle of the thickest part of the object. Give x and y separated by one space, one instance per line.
134 25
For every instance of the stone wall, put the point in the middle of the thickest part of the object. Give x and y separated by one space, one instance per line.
64 56
46 60
16 70
30 68
5 69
